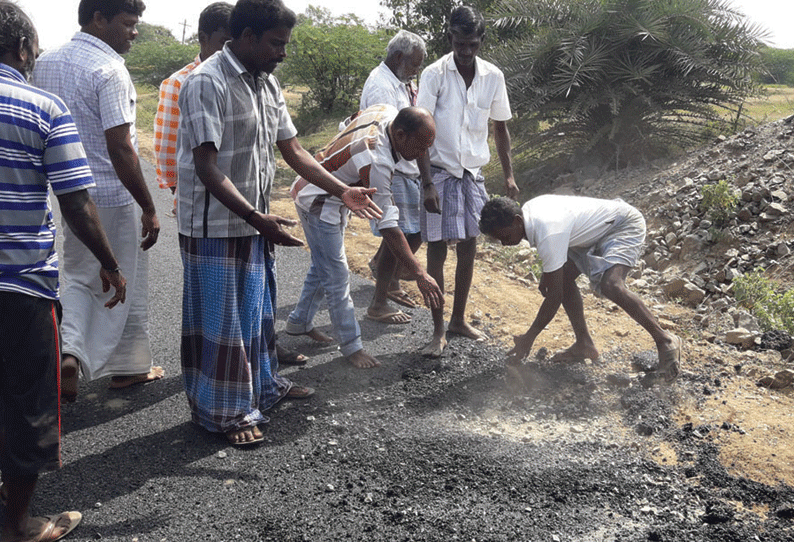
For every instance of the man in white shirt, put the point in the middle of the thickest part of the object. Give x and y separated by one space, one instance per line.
463 92
600 238
391 83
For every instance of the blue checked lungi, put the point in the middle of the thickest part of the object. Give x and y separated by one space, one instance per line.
462 200
228 350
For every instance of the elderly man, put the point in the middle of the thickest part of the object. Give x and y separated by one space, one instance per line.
88 73
41 151
366 152
463 92
573 235
391 82
232 114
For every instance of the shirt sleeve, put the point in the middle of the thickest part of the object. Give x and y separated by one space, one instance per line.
64 160
428 90
500 107
201 105
286 129
380 176
376 94
116 101
166 126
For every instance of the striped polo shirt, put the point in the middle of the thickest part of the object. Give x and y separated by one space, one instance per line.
39 148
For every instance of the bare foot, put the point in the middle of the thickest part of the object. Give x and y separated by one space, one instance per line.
245 436
362 360
575 353
70 371
118 382
435 348
467 330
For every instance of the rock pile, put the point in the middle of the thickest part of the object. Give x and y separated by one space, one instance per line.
694 260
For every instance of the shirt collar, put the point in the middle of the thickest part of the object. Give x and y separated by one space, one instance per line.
452 66
237 66
99 44
390 75
9 72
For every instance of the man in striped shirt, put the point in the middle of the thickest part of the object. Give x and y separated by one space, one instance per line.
365 153
39 150
232 114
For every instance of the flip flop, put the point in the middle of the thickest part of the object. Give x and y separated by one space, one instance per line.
391 318
67 520
299 392
244 443
669 361
290 357
154 374
401 298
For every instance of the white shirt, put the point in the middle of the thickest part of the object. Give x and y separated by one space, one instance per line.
360 155
462 114
90 77
553 224
383 87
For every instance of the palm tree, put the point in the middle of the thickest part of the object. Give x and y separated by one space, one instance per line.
617 81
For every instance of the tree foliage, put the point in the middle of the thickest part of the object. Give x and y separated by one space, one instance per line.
332 56
779 65
156 54
428 18
616 81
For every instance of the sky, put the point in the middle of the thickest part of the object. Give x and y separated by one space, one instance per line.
56 20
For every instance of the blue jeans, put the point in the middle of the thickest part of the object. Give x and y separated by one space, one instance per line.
328 277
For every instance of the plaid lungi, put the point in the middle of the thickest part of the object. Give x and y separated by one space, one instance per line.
228 348
462 200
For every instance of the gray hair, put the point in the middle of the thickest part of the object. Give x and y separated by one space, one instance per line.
406 43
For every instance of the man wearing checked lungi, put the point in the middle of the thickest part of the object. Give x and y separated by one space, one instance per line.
232 113
463 92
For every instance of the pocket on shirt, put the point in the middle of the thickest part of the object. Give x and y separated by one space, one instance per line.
477 120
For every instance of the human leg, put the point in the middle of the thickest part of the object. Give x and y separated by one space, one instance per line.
379 308
464 271
326 242
300 320
29 367
226 364
583 346
613 286
436 256
107 342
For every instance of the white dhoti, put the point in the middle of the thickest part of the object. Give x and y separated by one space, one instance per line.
107 342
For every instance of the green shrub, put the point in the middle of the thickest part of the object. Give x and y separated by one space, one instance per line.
757 294
719 201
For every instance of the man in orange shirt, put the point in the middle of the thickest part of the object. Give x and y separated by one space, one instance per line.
213 32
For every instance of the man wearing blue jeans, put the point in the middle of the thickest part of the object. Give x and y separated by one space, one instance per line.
365 153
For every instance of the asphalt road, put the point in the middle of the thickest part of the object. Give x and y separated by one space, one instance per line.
122 448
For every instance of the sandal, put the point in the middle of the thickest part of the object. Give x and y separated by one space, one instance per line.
299 392
289 357
669 360
66 520
256 440
401 297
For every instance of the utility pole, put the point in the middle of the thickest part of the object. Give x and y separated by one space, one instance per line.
184 26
